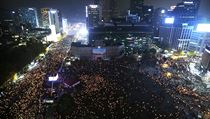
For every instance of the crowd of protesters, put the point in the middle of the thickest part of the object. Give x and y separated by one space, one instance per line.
181 85
115 89
112 89
23 98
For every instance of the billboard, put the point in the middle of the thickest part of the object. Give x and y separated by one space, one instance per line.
203 28
169 20
99 51
55 78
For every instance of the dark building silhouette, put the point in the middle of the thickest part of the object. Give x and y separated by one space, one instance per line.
186 11
28 16
93 15
136 7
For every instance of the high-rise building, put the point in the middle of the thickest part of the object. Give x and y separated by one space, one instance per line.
8 27
65 25
55 19
195 3
147 14
49 16
132 18
186 11
115 10
205 62
10 22
6 14
106 10
93 15
60 21
136 7
158 17
176 37
198 41
28 16
44 17
111 9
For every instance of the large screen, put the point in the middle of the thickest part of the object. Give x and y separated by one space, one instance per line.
99 51
203 28
169 20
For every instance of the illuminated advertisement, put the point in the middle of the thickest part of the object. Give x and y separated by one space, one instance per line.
203 28
99 51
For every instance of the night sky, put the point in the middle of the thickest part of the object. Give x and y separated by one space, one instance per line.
75 9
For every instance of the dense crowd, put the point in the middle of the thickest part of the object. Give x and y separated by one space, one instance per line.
107 89
180 85
23 98
112 88
115 89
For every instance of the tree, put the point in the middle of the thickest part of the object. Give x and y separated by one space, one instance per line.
191 53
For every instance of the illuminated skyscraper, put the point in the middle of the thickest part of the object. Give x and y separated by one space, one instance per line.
28 16
200 38
93 15
196 3
55 20
45 17
65 25
49 17
186 11
176 37
109 9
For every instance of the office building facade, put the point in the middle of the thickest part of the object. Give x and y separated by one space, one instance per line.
136 7
186 11
27 16
65 25
176 37
147 14
49 16
93 15
205 62
115 9
198 41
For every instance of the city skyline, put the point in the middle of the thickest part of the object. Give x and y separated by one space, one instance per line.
74 10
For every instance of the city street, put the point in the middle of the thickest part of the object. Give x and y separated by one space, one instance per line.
22 98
